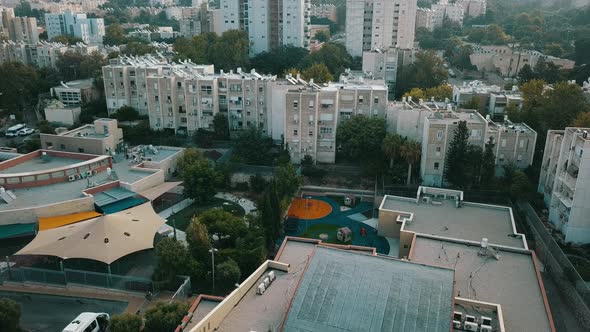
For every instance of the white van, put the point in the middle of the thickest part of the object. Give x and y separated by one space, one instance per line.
89 322
13 131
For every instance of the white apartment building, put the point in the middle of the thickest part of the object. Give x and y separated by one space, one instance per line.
473 8
42 55
499 101
508 61
452 11
463 94
326 10
563 181
379 24
19 29
185 97
90 30
383 64
425 18
312 114
75 93
269 23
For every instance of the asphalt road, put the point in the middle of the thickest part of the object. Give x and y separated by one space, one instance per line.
48 313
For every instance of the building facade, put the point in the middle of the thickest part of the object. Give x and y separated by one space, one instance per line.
379 24
563 182
312 114
19 29
425 18
384 64
43 54
326 10
473 8
90 30
443 9
268 23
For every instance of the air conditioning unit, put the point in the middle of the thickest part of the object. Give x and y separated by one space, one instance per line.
470 319
71 178
457 324
485 328
78 177
94 172
457 315
260 289
469 326
426 200
272 276
88 173
266 282
486 320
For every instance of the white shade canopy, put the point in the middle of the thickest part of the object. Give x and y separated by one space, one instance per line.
105 239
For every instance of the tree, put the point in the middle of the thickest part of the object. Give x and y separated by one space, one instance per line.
521 187
582 53
45 127
69 64
252 147
173 259
280 60
126 113
416 94
488 164
138 48
10 313
164 316
411 151
526 74
258 183
126 322
203 138
322 36
270 215
200 179
221 126
223 225
318 72
198 240
333 55
114 35
287 181
228 274
474 157
474 104
582 120
456 159
427 71
91 65
391 147
361 136
237 42
19 87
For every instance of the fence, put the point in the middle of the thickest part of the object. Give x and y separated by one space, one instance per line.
568 280
76 277
183 291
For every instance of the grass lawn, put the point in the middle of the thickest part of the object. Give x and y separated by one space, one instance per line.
314 231
183 217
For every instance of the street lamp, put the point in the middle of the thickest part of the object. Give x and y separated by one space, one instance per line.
213 251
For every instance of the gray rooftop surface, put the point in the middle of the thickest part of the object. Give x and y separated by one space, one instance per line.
112 195
204 308
510 281
261 313
469 222
348 291
162 154
38 164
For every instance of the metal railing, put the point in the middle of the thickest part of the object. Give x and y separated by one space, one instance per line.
184 291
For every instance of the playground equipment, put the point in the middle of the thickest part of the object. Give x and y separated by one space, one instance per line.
344 234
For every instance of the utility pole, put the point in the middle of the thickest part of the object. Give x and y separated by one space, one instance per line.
213 251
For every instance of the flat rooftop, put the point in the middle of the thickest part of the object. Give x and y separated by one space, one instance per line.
204 307
510 281
39 164
86 131
469 222
349 291
261 313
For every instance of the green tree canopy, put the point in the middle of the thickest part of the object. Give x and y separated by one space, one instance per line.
199 177
322 36
126 113
10 313
221 126
198 239
224 225
252 147
173 259
126 322
456 159
164 316
318 72
361 136
427 71
114 35
227 274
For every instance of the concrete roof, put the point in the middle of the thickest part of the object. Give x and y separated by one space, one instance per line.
469 222
38 164
259 313
204 307
348 291
510 281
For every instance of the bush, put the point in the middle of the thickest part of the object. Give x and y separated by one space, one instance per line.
125 323
126 113
258 183
164 316
10 312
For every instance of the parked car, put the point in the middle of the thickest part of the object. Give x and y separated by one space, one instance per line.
89 322
14 130
26 132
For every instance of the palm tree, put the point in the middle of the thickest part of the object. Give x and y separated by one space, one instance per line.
391 146
410 151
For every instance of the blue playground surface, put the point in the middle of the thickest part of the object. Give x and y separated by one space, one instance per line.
348 219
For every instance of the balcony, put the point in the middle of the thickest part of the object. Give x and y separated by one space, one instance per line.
567 202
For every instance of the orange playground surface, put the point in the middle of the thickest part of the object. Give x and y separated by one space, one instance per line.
315 209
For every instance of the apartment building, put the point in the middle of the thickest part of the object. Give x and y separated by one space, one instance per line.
19 29
425 18
564 182
508 61
439 129
500 101
90 30
75 93
514 143
473 8
326 10
443 9
383 64
379 24
269 23
312 114
185 97
463 94
42 54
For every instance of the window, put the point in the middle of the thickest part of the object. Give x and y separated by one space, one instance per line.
311 133
501 157
436 165
376 100
360 99
48 144
80 150
519 157
503 143
475 133
311 104
157 98
260 89
295 103
295 132
62 146
179 84
91 327
439 135
521 143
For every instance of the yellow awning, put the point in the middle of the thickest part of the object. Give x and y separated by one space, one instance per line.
54 222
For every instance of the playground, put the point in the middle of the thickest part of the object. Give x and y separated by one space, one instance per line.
320 217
